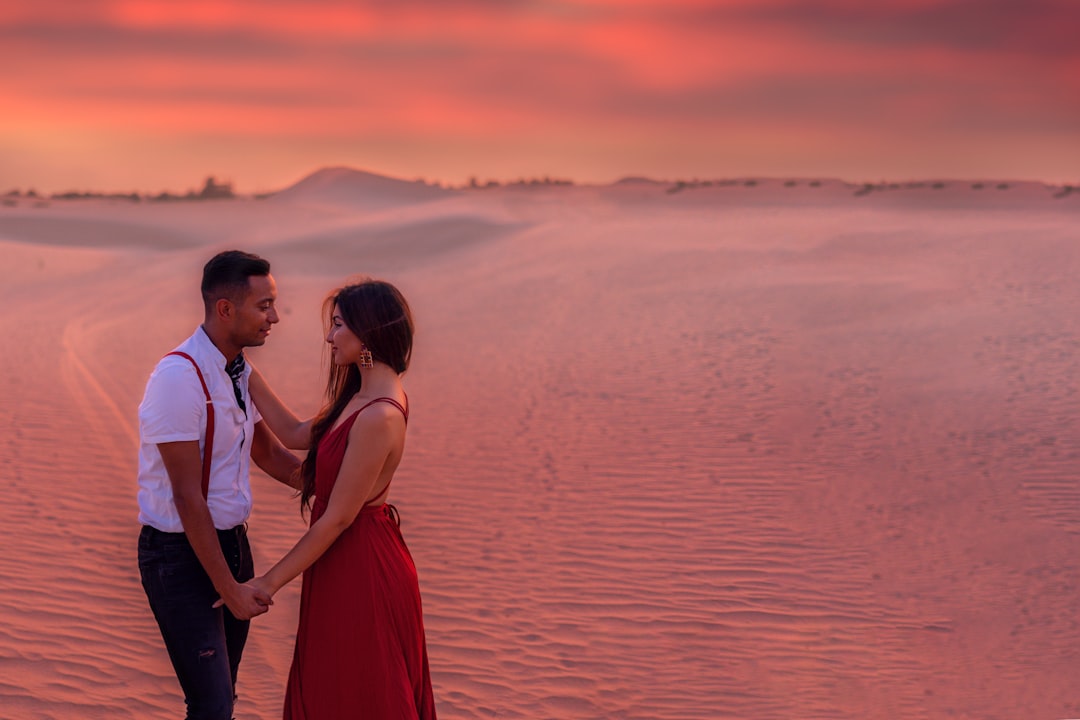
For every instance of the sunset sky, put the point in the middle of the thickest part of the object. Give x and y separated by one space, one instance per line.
125 95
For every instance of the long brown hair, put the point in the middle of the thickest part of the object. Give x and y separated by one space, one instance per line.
377 313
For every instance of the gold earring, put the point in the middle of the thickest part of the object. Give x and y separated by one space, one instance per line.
366 361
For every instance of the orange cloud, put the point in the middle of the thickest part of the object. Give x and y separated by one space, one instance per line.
626 83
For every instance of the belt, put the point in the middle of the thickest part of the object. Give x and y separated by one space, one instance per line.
239 531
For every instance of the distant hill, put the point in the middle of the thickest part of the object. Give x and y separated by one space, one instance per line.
357 188
638 180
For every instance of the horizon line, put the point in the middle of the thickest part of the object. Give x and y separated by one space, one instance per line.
475 182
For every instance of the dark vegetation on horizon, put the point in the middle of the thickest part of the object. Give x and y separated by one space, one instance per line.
861 189
214 190
475 184
211 190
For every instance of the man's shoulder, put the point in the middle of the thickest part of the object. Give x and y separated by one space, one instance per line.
174 366
172 374
173 363
197 346
173 400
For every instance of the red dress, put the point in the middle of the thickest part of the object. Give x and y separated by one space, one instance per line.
360 650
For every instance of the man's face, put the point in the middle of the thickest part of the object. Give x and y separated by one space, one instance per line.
256 313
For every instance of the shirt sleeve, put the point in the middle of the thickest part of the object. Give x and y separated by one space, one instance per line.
173 407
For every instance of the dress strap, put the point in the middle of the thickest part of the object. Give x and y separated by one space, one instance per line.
392 401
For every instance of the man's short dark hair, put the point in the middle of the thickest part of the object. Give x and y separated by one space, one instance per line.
226 275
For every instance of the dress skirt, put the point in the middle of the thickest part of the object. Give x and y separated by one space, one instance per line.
360 649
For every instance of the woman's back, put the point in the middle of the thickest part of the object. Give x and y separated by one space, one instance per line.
333 444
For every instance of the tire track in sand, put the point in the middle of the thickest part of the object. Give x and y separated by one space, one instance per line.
94 403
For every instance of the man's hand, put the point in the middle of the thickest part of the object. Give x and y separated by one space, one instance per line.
245 601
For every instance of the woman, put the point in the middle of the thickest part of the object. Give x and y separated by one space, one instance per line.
360 649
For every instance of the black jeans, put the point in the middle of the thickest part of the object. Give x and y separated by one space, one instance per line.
204 644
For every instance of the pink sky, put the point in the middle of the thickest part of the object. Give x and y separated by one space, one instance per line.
135 95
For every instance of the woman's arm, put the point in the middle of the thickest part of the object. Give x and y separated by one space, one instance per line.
372 438
293 432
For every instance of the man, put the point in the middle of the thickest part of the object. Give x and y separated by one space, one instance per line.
193 547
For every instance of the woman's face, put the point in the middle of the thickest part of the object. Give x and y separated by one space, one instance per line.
345 347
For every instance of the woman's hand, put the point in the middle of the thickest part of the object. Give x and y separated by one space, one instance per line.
261 584
249 599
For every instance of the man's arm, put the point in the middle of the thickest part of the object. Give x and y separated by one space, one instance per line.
273 458
183 463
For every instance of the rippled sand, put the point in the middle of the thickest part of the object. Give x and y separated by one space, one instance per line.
731 452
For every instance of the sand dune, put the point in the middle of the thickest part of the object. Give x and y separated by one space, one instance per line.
357 189
727 452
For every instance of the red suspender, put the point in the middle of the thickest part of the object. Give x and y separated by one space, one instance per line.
208 446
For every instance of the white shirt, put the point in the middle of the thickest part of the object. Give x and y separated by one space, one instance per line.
174 409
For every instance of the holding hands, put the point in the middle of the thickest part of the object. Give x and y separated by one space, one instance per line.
247 600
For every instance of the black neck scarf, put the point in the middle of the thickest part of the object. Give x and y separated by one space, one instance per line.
236 371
